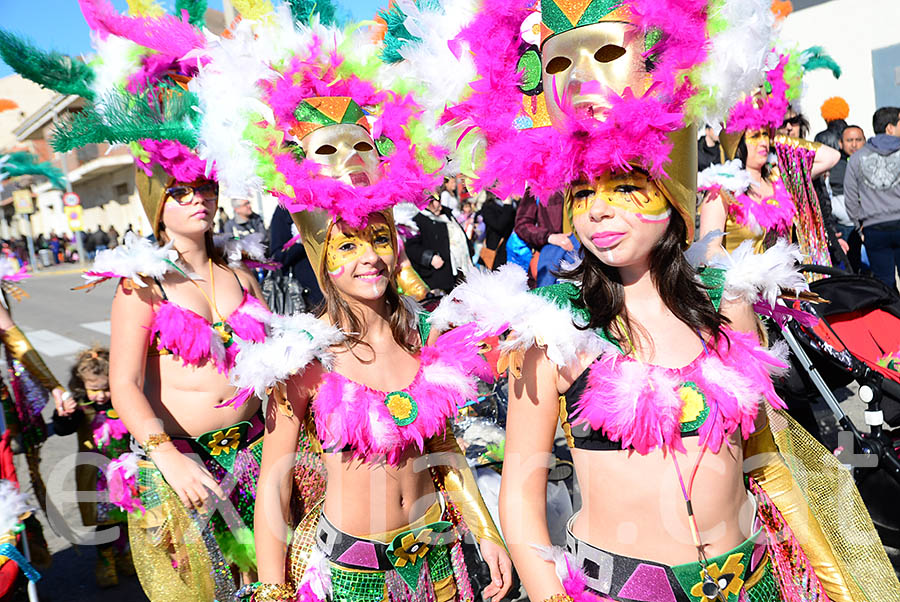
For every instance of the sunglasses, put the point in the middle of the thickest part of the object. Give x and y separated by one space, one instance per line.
185 194
795 120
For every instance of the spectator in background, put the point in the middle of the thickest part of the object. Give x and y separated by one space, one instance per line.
541 228
795 124
499 220
709 152
101 240
293 260
245 222
130 228
834 111
449 196
872 194
221 220
113 237
439 252
468 220
852 139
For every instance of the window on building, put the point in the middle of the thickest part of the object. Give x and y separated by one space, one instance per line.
121 192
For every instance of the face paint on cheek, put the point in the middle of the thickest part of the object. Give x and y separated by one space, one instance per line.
341 250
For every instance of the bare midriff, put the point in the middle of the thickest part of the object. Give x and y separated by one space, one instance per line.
365 498
185 397
633 505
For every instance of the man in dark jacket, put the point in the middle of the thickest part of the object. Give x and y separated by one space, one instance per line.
499 219
245 222
872 194
440 251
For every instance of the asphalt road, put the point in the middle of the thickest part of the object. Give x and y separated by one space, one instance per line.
59 322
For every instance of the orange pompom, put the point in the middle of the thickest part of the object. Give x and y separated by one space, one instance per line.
835 108
7 104
781 9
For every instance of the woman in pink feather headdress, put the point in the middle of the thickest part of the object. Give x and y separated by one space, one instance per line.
181 312
652 365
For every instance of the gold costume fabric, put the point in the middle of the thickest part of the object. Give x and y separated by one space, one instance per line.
820 502
176 558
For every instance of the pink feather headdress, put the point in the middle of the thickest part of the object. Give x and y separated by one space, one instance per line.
763 111
636 128
298 182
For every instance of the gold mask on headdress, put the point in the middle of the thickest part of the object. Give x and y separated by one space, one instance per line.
347 153
581 64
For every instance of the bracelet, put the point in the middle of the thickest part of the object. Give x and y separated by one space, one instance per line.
559 598
155 440
267 592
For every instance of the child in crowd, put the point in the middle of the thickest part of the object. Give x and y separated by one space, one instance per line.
99 430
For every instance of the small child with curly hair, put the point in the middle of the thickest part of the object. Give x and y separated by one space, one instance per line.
99 430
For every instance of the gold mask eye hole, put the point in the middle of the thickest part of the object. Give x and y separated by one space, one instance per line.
558 65
363 147
609 53
326 149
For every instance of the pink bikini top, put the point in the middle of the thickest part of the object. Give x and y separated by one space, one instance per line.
190 337
775 212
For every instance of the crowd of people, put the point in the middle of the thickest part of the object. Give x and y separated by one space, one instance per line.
282 420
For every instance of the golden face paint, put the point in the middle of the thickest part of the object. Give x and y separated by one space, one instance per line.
348 245
346 151
632 192
756 138
579 66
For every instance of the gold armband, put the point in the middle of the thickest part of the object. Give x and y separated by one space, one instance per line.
773 475
459 483
272 592
559 598
411 283
19 347
155 440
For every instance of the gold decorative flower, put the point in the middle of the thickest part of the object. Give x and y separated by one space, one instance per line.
693 403
729 578
402 407
413 548
225 442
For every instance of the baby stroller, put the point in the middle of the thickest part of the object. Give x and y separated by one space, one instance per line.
858 329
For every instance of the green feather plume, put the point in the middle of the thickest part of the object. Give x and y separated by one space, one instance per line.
303 10
815 57
397 36
196 10
50 69
26 164
122 118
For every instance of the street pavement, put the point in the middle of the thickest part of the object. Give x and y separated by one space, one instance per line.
60 322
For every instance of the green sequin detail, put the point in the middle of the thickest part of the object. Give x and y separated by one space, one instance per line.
714 281
439 563
557 21
424 325
530 67
564 295
765 589
356 586
693 425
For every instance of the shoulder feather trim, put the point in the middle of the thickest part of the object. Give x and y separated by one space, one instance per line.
293 343
501 298
136 258
236 250
753 277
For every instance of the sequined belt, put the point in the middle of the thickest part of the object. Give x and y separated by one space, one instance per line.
405 552
222 445
624 578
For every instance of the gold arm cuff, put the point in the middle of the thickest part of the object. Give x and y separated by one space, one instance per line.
559 598
785 140
459 483
20 348
267 592
155 440
411 283
772 474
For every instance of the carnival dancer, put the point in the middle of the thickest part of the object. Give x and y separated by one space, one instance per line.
182 309
654 369
99 430
747 198
387 498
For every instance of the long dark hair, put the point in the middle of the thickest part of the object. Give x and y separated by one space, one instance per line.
341 314
603 295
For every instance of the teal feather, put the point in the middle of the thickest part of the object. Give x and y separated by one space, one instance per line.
50 69
25 164
123 118
196 10
397 36
815 57
303 11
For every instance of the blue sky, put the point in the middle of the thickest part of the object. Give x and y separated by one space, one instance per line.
59 24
